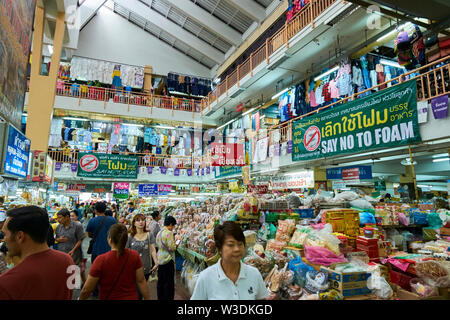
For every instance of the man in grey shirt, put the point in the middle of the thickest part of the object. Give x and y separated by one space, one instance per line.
154 225
69 235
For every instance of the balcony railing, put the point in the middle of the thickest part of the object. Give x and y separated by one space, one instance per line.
302 19
145 160
430 84
67 89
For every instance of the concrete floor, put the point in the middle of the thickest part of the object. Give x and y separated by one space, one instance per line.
181 293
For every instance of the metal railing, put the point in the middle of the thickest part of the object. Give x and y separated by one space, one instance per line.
430 84
144 159
301 19
80 91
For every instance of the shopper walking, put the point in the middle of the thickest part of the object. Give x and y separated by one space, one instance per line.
154 224
141 240
97 229
166 260
117 272
42 273
114 211
69 235
229 278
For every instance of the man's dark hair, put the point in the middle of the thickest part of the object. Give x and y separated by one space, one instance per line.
131 203
2 199
108 212
169 220
228 228
56 204
77 206
31 220
100 207
155 214
63 212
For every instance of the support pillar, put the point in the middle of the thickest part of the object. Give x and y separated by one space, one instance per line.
148 70
43 88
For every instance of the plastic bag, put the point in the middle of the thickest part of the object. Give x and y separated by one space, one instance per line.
421 288
345 196
300 269
434 221
285 230
299 237
402 218
379 286
366 218
264 232
361 204
316 282
323 256
331 241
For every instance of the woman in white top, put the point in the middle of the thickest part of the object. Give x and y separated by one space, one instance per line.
229 278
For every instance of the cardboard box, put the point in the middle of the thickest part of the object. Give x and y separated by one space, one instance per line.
348 284
444 231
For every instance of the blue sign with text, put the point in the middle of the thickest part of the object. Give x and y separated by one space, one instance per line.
17 153
365 172
148 190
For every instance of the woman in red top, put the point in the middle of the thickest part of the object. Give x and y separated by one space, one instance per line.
117 272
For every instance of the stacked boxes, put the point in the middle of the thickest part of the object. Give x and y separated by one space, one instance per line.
343 221
370 246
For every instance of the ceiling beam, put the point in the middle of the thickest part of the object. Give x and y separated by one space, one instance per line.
251 9
173 29
89 9
208 21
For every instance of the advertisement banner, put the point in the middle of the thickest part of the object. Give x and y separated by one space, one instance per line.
100 165
227 154
384 119
121 190
17 153
148 190
303 179
16 23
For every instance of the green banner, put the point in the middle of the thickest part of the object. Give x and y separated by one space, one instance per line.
384 119
226 171
100 165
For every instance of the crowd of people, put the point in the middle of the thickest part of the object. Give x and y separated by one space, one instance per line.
41 258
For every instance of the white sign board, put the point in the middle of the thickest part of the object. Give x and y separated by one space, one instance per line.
303 179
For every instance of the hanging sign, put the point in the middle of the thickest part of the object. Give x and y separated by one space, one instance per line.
148 190
384 119
364 172
121 190
258 189
227 171
17 153
439 106
380 185
102 165
76 187
164 189
303 179
227 154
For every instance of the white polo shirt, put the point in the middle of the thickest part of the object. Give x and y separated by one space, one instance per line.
213 284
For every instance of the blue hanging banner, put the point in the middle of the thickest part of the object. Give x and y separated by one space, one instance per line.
365 172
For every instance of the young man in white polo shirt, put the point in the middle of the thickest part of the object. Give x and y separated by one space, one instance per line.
229 278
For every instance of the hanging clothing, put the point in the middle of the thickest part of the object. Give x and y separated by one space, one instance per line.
373 79
357 76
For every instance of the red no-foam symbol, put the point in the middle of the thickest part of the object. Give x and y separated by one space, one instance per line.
311 139
89 163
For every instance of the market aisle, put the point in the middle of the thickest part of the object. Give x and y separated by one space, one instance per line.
181 293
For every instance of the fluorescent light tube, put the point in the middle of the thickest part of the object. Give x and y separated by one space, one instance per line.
440 160
390 63
163 127
279 93
224 125
75 119
216 80
440 155
393 31
132 125
326 73
249 111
